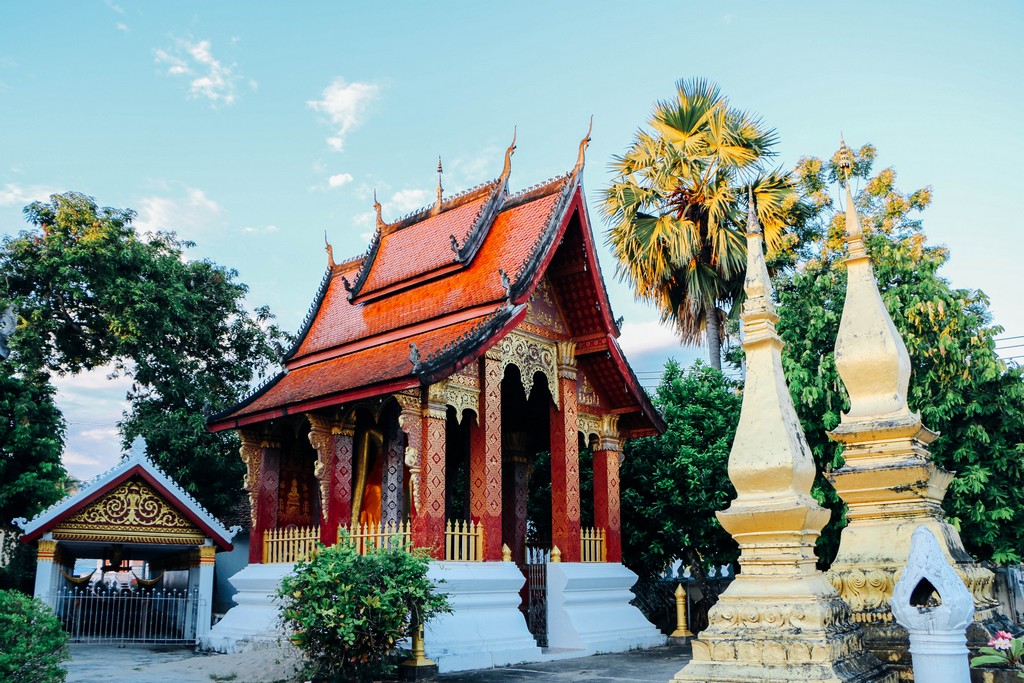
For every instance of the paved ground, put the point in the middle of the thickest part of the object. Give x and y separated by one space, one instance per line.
96 664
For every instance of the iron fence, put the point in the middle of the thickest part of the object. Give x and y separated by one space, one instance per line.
114 616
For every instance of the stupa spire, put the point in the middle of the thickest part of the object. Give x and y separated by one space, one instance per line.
780 619
870 354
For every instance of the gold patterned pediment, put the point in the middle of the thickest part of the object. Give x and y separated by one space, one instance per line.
131 512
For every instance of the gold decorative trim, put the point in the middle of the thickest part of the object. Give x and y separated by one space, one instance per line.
45 551
207 555
531 355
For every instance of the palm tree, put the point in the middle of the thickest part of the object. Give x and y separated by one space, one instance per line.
677 206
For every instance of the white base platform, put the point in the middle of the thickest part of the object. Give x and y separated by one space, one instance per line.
589 610
253 623
486 628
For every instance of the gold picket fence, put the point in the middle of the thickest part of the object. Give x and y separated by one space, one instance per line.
366 537
592 545
281 546
464 541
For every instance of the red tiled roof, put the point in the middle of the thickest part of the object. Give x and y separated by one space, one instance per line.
417 290
507 246
421 247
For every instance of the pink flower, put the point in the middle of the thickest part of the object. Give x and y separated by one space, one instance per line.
1001 641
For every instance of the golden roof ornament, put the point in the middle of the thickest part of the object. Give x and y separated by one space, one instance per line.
330 252
870 354
377 208
440 189
583 147
507 170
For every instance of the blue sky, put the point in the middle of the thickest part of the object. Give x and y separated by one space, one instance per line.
251 128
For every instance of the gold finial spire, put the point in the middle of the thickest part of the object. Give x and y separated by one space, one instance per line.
583 147
845 162
870 354
440 190
756 284
377 208
330 251
507 170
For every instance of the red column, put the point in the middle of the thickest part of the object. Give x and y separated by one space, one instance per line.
565 459
262 458
428 523
333 444
485 460
606 493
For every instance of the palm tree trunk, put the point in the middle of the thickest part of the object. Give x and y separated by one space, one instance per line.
714 338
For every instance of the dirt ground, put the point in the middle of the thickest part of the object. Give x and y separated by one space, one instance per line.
94 664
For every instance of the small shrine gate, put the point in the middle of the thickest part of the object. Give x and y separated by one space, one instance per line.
139 531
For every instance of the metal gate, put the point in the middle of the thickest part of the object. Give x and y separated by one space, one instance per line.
127 616
537 593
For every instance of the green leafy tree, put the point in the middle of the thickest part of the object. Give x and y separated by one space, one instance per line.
33 645
677 205
31 474
958 383
673 484
347 612
90 291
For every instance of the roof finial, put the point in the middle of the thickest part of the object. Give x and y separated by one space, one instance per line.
844 169
377 208
440 190
757 284
330 252
583 146
507 170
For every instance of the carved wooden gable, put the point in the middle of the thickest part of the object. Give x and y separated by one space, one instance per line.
544 315
131 512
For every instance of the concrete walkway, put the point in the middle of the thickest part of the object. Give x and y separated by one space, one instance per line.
102 664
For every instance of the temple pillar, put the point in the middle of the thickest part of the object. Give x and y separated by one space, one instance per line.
780 619
428 523
606 488
46 570
485 473
333 470
565 459
888 480
262 458
516 472
207 558
392 475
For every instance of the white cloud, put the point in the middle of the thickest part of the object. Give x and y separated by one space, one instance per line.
12 194
344 104
117 8
121 26
73 459
647 336
209 77
404 201
188 214
101 434
339 179
267 229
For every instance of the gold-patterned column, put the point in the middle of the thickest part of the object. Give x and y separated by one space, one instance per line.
565 459
428 524
780 620
888 480
606 487
261 456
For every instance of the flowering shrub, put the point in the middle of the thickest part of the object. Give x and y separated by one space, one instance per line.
347 612
1002 649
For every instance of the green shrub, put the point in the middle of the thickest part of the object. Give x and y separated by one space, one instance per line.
348 611
32 642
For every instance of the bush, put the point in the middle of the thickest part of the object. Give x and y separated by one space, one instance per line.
348 611
32 642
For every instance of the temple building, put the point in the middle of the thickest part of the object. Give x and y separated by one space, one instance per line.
426 387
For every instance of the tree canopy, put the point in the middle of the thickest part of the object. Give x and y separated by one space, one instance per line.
677 205
673 484
90 291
